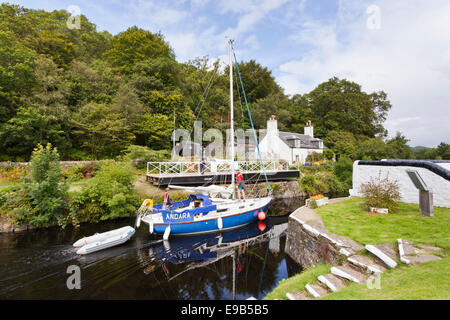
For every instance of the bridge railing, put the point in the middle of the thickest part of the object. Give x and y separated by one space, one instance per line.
217 166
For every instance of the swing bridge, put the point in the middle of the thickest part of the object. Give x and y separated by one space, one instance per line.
217 171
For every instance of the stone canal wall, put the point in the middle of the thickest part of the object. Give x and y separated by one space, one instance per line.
309 243
436 175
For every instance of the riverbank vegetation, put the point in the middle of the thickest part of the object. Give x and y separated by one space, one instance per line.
334 180
45 195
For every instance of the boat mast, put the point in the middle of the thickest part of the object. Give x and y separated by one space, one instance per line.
230 42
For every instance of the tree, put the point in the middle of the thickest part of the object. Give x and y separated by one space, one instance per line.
16 74
342 105
343 143
273 104
100 131
29 127
443 151
258 81
160 73
373 149
398 147
154 131
135 45
343 170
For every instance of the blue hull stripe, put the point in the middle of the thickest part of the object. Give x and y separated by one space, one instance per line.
211 224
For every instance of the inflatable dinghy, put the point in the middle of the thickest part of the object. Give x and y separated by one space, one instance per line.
104 240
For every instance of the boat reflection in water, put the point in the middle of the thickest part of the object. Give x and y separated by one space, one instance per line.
180 255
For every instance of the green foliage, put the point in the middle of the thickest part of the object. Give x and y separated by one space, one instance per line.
314 157
322 181
342 105
47 193
79 172
343 143
15 204
16 72
328 154
29 127
109 194
92 94
381 193
135 45
141 155
40 200
343 170
442 151
101 131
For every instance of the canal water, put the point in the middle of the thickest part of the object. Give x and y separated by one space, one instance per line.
237 264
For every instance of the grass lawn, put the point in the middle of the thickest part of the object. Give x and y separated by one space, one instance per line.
424 282
298 282
349 219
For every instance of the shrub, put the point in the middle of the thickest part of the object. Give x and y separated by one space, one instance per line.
13 173
314 157
47 194
141 155
324 182
39 200
109 194
15 204
73 173
328 154
381 193
343 170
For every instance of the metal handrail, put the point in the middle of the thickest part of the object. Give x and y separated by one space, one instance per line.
186 167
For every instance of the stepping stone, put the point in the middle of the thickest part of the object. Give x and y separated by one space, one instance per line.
346 272
316 291
384 252
406 248
416 260
333 282
297 296
410 254
366 264
428 248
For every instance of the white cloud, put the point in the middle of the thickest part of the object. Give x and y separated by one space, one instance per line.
408 58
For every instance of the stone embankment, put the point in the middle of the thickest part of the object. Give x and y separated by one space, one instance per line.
309 243
6 226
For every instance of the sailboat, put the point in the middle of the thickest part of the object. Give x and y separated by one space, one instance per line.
204 211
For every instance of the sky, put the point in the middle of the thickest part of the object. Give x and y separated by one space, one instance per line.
401 47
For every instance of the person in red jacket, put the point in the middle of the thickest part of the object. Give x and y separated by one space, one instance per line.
167 202
240 185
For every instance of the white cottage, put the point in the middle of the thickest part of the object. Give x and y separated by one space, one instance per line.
289 146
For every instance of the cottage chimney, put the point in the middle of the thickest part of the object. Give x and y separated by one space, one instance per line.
309 129
272 126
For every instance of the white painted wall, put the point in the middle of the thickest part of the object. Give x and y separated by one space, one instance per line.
272 147
409 193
